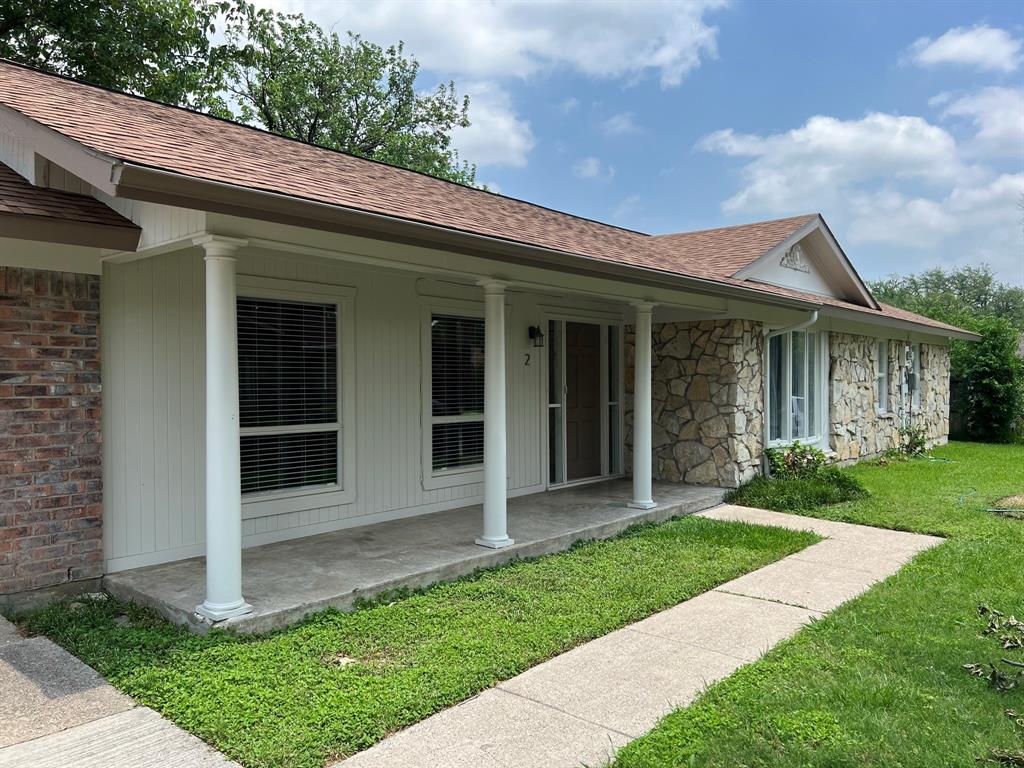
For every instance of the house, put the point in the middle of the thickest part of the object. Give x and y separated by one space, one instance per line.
214 338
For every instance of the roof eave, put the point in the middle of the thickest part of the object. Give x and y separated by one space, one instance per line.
48 229
151 184
897 322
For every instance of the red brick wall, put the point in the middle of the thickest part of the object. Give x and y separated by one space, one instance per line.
51 511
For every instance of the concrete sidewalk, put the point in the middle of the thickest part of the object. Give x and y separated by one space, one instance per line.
580 707
55 712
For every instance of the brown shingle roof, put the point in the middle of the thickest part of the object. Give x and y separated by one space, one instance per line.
724 251
42 212
146 133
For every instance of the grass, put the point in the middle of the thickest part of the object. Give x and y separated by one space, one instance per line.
798 494
880 682
340 682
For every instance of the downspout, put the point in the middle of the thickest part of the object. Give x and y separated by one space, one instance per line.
812 318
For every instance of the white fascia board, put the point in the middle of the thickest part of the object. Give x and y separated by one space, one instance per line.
87 164
816 224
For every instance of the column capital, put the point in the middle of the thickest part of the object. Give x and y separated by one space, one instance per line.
218 246
642 306
493 286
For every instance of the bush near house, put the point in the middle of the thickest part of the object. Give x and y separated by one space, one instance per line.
800 480
881 680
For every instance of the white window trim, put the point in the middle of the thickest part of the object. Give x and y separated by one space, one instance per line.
882 405
450 478
822 401
264 504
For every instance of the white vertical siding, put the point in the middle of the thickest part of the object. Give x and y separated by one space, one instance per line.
153 399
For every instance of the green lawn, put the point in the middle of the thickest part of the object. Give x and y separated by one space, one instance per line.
879 682
340 682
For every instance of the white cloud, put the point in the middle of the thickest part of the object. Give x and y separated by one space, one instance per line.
998 118
981 47
496 135
521 38
628 208
807 166
897 185
569 105
621 124
592 168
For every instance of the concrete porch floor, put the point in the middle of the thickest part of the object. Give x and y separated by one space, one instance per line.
288 580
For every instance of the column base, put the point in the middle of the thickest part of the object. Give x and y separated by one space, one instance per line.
642 504
222 612
495 543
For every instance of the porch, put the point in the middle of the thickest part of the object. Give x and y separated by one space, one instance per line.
287 580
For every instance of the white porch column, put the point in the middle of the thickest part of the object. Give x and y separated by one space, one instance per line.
495 418
642 451
223 472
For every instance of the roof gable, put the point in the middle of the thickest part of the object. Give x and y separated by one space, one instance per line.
810 260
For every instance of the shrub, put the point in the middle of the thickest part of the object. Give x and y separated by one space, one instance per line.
913 440
826 486
796 460
991 379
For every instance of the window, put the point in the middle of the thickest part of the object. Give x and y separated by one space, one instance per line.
882 378
456 393
288 394
796 386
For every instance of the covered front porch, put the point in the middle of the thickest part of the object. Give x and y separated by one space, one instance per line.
287 580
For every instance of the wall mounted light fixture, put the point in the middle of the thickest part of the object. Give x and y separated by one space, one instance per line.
536 336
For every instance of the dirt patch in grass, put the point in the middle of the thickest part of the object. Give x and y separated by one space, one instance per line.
1011 502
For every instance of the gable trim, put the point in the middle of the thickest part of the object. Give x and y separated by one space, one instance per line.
779 249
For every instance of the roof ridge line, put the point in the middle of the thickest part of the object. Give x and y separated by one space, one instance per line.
738 226
264 131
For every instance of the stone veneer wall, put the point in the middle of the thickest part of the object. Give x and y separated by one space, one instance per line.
707 399
50 453
857 429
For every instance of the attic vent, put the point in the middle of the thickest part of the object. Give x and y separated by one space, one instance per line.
794 259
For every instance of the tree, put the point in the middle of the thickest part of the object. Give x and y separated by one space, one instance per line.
159 49
294 79
987 375
955 296
991 380
279 71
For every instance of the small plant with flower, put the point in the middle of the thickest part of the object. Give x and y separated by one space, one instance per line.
795 461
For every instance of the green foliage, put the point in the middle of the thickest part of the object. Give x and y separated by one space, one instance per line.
826 486
878 682
795 460
295 79
956 296
160 49
913 440
339 682
281 71
991 378
987 376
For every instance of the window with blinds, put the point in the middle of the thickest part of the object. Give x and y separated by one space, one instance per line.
456 392
288 394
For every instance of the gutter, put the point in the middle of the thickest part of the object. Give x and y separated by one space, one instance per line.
156 185
812 318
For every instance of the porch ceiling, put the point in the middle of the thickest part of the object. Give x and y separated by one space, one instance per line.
288 580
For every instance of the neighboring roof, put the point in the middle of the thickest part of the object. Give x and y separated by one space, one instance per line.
37 213
146 134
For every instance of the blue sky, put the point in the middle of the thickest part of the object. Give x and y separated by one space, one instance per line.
903 123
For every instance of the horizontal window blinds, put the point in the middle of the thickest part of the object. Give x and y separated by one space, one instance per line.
456 391
288 393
